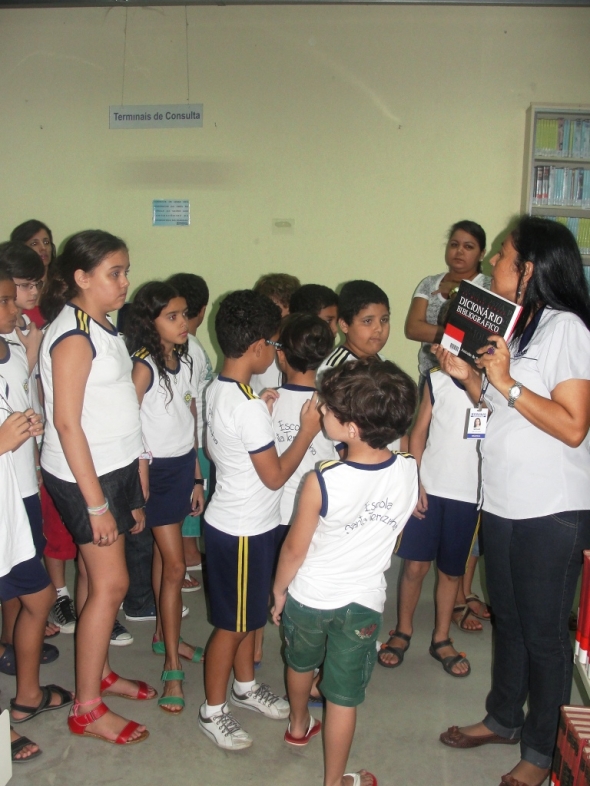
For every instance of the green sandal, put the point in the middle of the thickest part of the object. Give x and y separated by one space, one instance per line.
159 648
450 660
177 701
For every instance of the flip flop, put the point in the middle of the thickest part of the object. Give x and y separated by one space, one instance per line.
460 614
356 777
315 726
18 745
193 584
44 705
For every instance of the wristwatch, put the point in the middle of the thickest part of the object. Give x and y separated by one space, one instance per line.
514 393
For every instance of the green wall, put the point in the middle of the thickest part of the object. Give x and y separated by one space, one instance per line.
373 128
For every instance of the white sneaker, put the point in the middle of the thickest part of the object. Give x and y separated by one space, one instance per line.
224 730
261 699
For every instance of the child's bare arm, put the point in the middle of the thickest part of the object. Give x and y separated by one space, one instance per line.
274 470
419 432
297 542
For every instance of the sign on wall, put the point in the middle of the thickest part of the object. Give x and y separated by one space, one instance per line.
171 213
156 116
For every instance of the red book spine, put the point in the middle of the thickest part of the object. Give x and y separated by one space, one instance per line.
583 632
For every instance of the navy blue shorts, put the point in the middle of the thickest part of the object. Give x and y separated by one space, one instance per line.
239 574
171 486
33 507
26 578
122 490
445 535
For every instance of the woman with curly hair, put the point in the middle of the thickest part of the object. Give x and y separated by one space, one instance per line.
156 334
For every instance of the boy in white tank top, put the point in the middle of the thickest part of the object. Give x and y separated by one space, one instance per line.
330 576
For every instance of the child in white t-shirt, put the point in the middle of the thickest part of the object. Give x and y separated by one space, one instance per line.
305 340
156 335
243 512
194 290
279 287
330 576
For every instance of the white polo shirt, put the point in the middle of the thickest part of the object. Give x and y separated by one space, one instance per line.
110 411
239 425
527 473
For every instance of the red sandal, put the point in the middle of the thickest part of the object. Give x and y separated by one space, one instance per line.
78 724
143 689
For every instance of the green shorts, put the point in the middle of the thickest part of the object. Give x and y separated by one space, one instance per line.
191 527
344 640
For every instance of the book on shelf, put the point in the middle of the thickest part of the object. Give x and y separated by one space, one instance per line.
561 186
580 229
573 738
562 137
474 314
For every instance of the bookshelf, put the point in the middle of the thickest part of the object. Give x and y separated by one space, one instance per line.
556 182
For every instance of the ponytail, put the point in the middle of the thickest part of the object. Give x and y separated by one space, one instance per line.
83 251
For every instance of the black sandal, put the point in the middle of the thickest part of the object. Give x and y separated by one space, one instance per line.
18 745
397 651
44 705
450 660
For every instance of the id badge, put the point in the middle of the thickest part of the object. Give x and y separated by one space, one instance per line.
477 422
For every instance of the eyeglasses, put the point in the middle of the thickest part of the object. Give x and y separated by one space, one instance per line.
34 285
275 344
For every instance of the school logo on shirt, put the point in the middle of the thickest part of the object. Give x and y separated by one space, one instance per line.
187 398
26 385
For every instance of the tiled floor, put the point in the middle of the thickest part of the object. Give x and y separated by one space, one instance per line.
396 737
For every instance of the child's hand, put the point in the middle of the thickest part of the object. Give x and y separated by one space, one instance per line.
31 340
35 423
104 529
197 501
14 432
269 396
422 504
139 516
277 610
310 417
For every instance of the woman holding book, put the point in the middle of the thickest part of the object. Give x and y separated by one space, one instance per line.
536 509
464 253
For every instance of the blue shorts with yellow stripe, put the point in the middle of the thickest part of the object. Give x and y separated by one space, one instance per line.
239 576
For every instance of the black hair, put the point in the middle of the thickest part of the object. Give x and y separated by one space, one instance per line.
21 261
193 289
312 298
244 317
25 231
83 251
140 329
277 285
558 277
476 231
374 394
472 228
306 341
4 274
356 295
